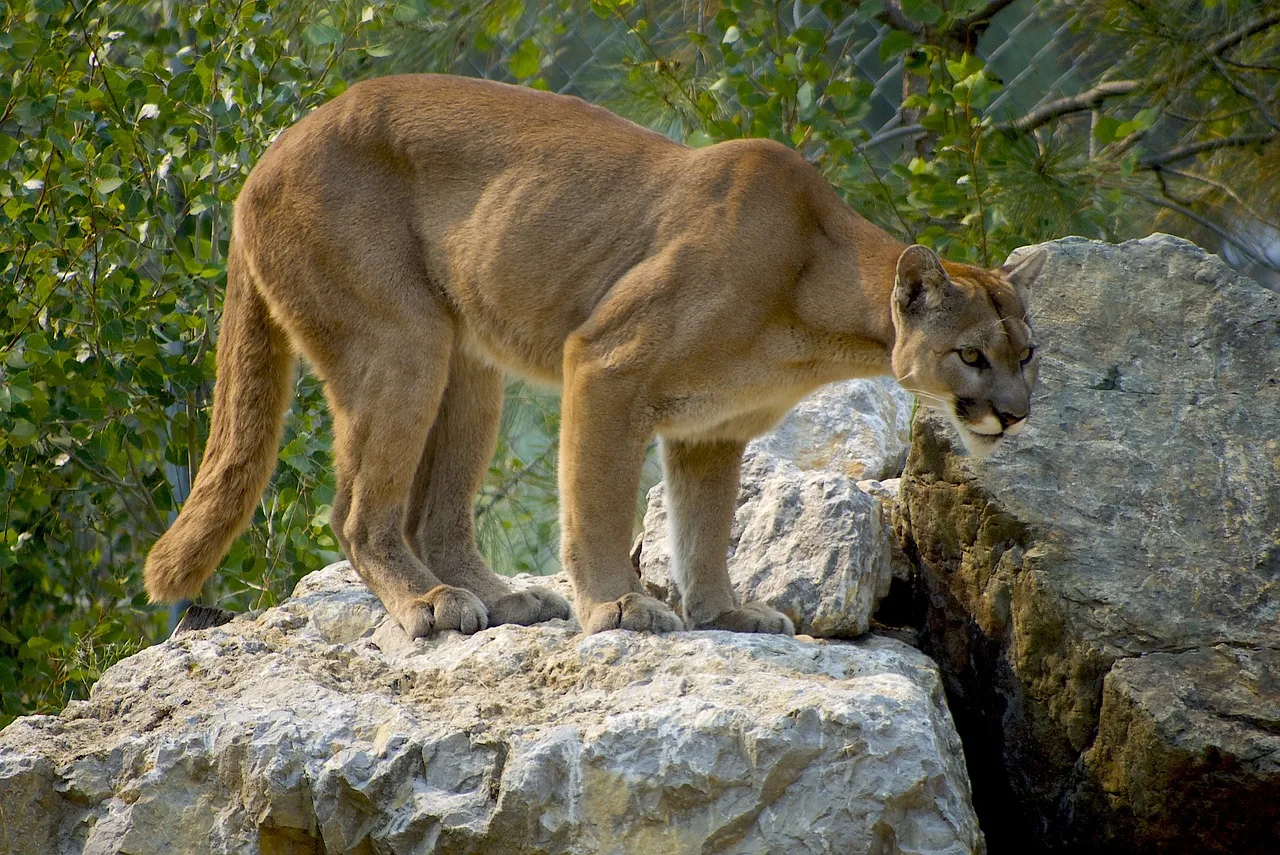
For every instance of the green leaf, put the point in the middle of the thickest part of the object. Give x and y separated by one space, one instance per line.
809 36
922 10
21 432
804 96
8 145
319 34
526 60
895 43
965 67
1104 130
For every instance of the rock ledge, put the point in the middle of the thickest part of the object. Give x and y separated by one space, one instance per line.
318 726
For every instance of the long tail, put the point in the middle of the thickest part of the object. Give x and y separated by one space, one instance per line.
250 395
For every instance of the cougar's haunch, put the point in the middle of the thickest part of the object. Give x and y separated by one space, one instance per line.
421 235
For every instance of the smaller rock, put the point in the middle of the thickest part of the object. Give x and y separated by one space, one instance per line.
809 544
338 603
886 492
805 539
861 428
1196 734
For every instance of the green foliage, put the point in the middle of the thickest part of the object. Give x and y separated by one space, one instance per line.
127 130
959 173
764 77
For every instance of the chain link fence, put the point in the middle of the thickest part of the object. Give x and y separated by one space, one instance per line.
1052 59
1040 50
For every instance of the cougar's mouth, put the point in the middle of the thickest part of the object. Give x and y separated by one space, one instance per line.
980 437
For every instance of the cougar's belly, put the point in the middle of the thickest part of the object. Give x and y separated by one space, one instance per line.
529 361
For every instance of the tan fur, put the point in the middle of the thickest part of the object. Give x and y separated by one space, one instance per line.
421 235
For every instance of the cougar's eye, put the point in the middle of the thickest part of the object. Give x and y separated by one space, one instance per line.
972 356
1027 353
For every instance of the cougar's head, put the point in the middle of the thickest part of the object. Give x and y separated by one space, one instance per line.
964 343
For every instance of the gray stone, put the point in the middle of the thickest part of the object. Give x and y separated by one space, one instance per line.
860 428
1185 734
808 543
1138 514
267 735
886 493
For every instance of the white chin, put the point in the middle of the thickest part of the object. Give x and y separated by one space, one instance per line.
977 444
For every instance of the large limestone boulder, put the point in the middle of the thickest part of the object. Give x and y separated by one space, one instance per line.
1104 593
805 539
318 726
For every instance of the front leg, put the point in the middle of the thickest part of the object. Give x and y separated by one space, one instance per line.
702 492
603 433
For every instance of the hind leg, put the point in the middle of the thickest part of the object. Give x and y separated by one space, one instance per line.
384 392
441 518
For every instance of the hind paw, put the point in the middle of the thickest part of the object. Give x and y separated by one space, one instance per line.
530 606
752 617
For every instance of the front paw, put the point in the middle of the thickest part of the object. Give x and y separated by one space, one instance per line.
530 606
631 611
444 607
752 617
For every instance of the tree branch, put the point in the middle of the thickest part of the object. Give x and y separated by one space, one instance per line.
1087 100
1155 161
982 17
1234 38
1226 191
1092 98
896 18
1246 92
963 30
1170 205
893 134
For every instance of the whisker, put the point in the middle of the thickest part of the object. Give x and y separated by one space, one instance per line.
923 393
928 397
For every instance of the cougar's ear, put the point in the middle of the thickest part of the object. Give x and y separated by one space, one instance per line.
919 276
1026 269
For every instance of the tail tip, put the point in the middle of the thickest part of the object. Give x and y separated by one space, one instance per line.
165 580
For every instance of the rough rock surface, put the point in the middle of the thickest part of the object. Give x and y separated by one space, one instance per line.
318 726
809 544
860 428
805 540
1183 734
1105 589
888 492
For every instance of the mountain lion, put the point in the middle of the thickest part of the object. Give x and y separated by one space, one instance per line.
421 235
